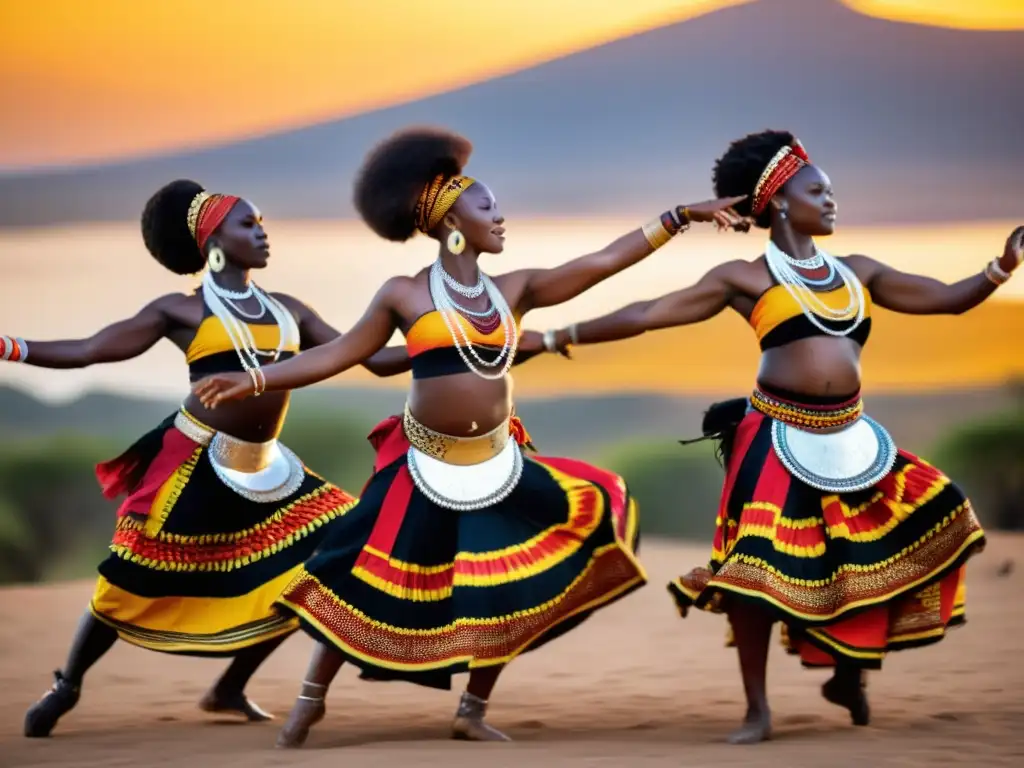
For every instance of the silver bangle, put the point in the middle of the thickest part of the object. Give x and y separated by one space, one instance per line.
549 341
23 348
995 273
574 333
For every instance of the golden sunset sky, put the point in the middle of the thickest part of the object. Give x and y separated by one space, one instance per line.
112 79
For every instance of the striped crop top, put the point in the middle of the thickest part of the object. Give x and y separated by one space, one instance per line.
432 351
211 350
778 319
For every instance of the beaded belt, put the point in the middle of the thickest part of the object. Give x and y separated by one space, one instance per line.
225 450
451 449
809 417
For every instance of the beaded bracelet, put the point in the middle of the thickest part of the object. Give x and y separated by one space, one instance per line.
669 224
13 350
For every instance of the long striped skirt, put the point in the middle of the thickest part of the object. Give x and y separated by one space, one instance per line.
203 547
857 547
407 588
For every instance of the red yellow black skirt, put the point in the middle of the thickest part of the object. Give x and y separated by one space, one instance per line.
407 589
852 575
198 559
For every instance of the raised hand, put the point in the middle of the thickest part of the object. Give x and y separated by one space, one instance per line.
221 387
1013 253
721 212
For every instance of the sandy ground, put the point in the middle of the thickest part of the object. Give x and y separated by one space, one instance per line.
634 686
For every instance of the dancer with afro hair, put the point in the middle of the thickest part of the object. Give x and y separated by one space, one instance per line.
858 548
462 552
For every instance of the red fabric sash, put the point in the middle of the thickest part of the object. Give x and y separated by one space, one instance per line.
118 476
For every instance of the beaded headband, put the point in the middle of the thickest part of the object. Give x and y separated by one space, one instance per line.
437 198
782 167
206 212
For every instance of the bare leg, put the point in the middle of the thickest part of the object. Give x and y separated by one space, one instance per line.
228 693
846 689
752 627
469 722
310 707
92 639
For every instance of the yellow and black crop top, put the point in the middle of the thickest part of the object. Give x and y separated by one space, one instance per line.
211 350
432 351
778 319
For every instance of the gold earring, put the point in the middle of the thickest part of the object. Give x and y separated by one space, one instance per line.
456 242
215 258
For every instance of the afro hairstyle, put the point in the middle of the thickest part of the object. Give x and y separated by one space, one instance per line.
165 228
738 170
394 173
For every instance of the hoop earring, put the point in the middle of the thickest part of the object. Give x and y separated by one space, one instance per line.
456 242
215 258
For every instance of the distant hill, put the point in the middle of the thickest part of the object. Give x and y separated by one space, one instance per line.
914 123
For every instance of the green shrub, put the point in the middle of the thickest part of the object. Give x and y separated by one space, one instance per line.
986 458
677 487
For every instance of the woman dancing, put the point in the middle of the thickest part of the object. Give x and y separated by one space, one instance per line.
218 515
859 548
462 553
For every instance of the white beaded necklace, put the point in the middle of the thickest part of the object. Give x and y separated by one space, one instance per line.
449 312
469 291
238 332
779 264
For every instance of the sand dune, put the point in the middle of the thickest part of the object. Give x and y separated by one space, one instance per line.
634 686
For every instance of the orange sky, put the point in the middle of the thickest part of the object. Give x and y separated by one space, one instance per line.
91 81
111 78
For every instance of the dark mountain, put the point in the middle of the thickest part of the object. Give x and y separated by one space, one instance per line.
914 123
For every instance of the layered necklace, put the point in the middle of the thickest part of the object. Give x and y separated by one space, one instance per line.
224 306
486 321
784 269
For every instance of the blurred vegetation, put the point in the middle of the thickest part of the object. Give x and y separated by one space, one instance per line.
55 524
676 486
986 458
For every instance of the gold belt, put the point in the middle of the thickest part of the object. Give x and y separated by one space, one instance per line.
460 451
227 451
808 417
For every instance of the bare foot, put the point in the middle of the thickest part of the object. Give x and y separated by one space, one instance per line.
849 694
305 714
469 722
757 727
474 729
236 703
56 702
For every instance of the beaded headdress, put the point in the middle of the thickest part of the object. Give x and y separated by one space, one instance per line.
782 167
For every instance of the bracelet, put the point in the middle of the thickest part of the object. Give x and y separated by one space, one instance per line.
669 224
574 334
13 350
994 273
259 381
549 341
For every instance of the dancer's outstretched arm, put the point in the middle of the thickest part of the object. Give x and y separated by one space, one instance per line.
701 301
120 341
315 332
368 335
920 295
535 288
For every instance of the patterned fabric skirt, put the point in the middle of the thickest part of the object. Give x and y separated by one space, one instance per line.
211 531
406 588
852 573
